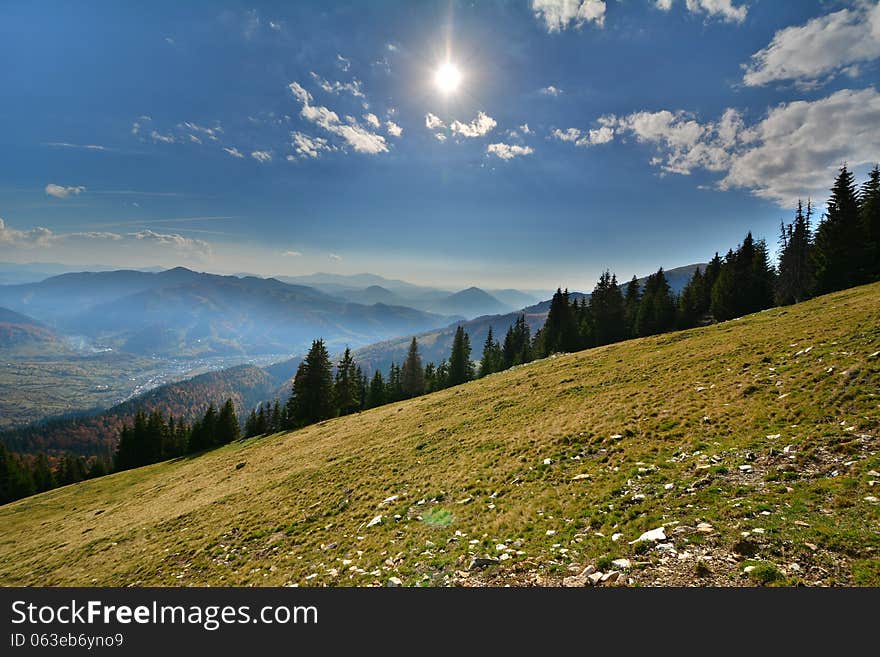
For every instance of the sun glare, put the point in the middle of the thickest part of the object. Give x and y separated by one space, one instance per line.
447 78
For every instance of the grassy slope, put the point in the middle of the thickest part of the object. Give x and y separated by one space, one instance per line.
686 408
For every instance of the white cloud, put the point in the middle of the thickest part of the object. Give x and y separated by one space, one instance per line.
480 126
234 152
292 254
559 14
509 151
821 48
433 122
372 119
664 5
791 153
393 129
262 156
723 8
275 25
551 90
210 133
334 256
524 128
169 41
358 137
306 146
88 147
439 136
343 63
354 87
391 47
37 236
61 191
569 134
165 139
175 241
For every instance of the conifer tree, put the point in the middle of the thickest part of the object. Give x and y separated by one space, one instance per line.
227 425
412 374
559 333
607 311
312 398
347 385
393 389
492 360
795 280
869 208
376 393
838 242
461 369
631 301
690 303
657 307
517 343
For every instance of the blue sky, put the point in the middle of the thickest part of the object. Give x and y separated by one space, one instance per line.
285 139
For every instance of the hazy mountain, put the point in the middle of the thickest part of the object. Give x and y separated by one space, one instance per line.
516 298
19 332
179 312
469 303
14 273
436 344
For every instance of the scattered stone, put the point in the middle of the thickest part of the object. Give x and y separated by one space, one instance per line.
548 461
481 562
375 521
610 577
579 477
239 466
388 500
466 500
589 570
616 436
871 499
745 468
774 436
654 535
874 355
801 523
748 569
394 582
551 532
638 497
794 567
668 486
576 581
873 473
595 578
623 564
616 537
705 528
812 546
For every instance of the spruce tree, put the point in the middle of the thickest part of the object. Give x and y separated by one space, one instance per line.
869 208
461 369
227 425
690 303
657 307
631 301
412 374
492 360
312 398
838 243
347 385
517 343
795 280
560 333
376 393
607 311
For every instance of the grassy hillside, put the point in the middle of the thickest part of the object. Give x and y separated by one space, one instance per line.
753 443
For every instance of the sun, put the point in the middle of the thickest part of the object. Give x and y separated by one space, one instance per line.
447 78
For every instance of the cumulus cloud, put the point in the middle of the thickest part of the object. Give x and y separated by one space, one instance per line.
820 49
439 136
354 87
262 156
334 256
359 138
234 152
343 63
292 254
524 128
37 236
569 134
62 191
480 126
308 147
558 15
509 151
724 9
551 90
393 129
211 133
372 120
601 135
433 122
790 153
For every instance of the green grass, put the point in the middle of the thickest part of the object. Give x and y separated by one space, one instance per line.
467 467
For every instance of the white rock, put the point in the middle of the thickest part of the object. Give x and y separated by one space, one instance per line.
595 578
375 521
705 528
500 547
623 564
774 436
873 473
871 499
658 534
745 468
795 567
616 537
579 477
616 436
388 500
548 461
394 582
589 570
551 532
638 497
748 569
611 576
668 486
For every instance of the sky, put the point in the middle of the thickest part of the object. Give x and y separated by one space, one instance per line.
289 138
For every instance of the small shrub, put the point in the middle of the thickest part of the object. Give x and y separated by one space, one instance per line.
766 573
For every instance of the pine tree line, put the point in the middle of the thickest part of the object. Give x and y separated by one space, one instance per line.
22 475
